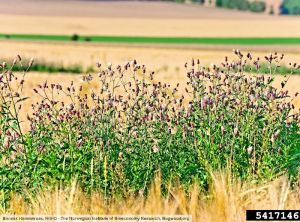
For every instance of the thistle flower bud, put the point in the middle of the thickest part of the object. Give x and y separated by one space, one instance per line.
204 102
70 107
249 56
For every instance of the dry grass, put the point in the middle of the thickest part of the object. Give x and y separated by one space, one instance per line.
226 200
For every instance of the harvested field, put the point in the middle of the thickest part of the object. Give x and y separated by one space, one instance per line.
166 59
289 27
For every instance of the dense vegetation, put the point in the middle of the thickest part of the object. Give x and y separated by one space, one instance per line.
255 6
288 6
291 7
117 138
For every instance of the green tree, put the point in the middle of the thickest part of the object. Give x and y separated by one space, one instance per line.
257 6
219 3
238 4
292 6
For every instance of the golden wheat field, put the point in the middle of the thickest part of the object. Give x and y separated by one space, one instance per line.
155 57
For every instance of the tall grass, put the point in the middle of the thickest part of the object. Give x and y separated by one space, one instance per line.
116 138
227 200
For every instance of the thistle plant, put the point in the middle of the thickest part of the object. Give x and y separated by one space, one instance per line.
12 139
243 123
117 137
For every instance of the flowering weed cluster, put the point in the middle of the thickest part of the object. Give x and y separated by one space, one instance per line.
116 138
